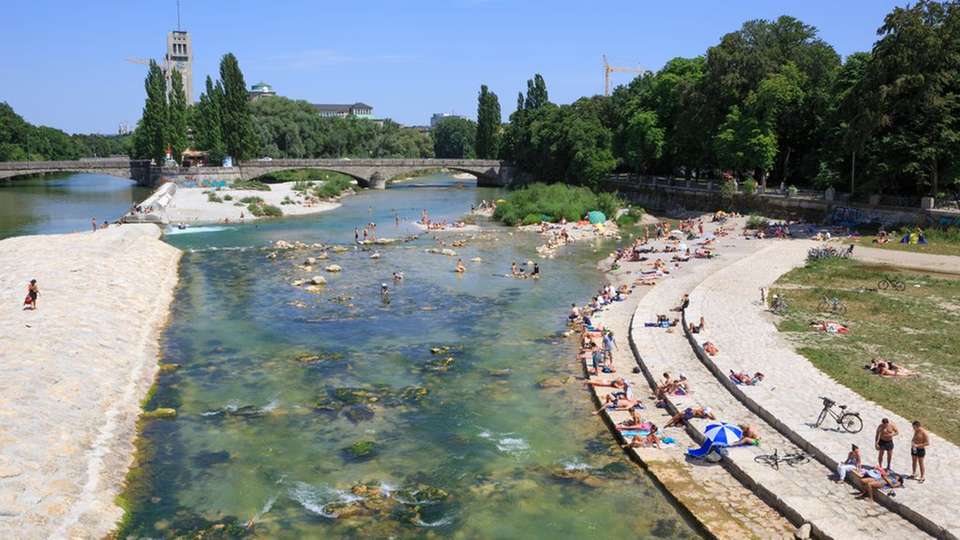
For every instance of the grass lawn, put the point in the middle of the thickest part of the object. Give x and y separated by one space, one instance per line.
918 328
940 243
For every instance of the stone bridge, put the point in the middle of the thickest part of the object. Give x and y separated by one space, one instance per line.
138 170
375 173
372 173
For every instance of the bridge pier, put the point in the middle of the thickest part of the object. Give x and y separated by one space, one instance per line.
377 181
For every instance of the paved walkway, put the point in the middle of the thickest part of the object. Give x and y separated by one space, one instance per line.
947 264
718 501
748 341
806 489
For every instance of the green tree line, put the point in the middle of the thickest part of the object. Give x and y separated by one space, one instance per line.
771 101
22 141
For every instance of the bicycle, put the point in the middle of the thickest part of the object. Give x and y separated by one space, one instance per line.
779 305
833 305
775 459
849 421
888 282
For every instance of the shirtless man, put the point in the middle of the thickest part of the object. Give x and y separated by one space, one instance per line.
750 436
698 412
886 431
918 449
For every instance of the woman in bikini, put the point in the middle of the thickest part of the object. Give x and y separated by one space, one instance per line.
33 291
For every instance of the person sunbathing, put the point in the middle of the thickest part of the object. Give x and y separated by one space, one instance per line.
877 479
696 328
750 436
619 382
745 378
886 368
683 416
710 348
617 402
634 422
650 440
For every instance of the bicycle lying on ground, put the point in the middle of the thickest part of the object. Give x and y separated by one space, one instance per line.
849 421
833 305
894 282
775 459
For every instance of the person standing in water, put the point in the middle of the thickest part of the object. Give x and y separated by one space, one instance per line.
33 291
460 267
93 222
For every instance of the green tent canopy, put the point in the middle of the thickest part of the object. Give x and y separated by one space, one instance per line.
596 217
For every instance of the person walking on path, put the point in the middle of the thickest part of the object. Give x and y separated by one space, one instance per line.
33 291
918 449
93 222
609 343
886 431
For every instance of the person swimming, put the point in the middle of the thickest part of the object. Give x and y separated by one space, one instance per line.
460 267
384 293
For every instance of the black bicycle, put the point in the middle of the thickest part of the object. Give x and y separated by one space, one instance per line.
833 305
775 459
779 305
888 282
849 421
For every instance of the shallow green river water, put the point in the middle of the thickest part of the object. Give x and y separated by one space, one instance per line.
277 384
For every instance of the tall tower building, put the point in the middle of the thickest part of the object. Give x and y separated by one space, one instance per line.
180 57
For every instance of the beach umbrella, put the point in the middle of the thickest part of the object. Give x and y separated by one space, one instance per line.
676 232
723 434
596 216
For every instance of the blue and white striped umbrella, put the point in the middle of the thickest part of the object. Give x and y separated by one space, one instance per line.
723 434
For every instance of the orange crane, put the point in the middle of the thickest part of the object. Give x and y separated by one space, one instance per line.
608 69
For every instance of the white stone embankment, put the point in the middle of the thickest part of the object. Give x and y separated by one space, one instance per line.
74 372
192 205
721 504
748 340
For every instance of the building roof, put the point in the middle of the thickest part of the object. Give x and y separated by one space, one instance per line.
262 86
340 107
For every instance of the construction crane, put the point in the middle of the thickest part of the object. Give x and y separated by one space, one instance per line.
608 69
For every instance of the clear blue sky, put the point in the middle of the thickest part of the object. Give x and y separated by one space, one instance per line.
62 61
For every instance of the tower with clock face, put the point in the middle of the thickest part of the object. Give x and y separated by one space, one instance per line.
180 57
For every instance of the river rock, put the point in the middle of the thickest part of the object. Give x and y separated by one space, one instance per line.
476 259
500 372
413 393
310 261
297 282
552 382
339 249
326 404
272 255
313 289
333 268
448 252
318 280
282 244
323 256
169 368
353 396
358 413
375 255
361 450
439 365
165 413
803 532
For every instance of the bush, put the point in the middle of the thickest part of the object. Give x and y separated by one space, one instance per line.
255 185
250 200
727 189
552 202
228 197
631 217
750 186
757 222
333 187
302 185
261 209
792 191
213 197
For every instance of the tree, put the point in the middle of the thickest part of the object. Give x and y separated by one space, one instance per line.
209 126
151 136
536 93
454 137
488 124
237 123
177 116
745 144
644 140
911 80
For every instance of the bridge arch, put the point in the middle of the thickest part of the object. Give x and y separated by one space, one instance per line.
257 173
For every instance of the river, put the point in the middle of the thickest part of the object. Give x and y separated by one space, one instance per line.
329 416
63 203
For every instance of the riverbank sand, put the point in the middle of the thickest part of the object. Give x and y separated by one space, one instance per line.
192 205
74 372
